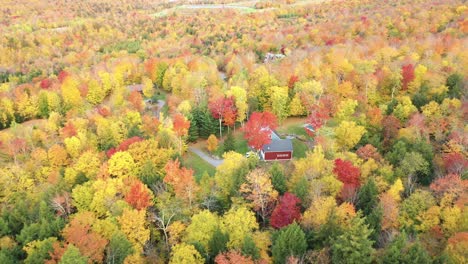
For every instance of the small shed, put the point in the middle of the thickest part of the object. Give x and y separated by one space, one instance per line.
309 129
278 149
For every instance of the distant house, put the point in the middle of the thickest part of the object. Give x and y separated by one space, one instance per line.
278 149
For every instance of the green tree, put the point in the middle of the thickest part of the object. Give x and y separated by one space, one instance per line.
249 248
277 178
353 246
367 197
73 256
118 249
38 250
290 241
402 251
229 143
455 85
217 243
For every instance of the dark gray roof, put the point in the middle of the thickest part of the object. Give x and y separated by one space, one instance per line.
278 145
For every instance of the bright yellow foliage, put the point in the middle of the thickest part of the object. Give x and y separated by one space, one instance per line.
238 222
185 254
133 225
121 164
348 134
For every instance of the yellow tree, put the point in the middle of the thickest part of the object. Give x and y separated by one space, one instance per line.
185 254
279 101
259 190
212 143
121 164
230 173
148 89
133 225
240 96
70 92
238 223
201 228
348 134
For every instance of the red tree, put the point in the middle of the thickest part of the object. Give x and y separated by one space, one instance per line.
138 196
124 145
181 125
258 129
68 130
368 152
451 183
222 107
349 175
287 211
46 83
407 72
455 163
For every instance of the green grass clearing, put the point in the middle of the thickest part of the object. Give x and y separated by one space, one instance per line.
199 165
300 149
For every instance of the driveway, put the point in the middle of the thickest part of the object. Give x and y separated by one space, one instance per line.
214 162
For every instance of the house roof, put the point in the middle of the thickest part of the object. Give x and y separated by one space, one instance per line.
278 145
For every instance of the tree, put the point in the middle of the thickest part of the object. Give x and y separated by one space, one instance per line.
240 96
122 164
202 229
133 225
455 85
73 256
455 163
221 108
451 183
185 254
348 134
401 250
218 243
367 199
353 246
290 241
38 250
232 257
238 223
259 190
119 248
407 72
258 129
229 143
139 197
279 102
181 127
182 180
349 175
286 212
277 178
90 243
230 174
212 143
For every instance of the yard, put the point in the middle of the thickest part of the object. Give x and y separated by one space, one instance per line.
199 165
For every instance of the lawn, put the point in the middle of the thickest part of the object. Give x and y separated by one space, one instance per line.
300 149
199 166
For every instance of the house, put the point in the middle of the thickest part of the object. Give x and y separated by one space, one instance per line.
309 129
278 149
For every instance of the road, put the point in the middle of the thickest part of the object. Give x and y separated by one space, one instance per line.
207 158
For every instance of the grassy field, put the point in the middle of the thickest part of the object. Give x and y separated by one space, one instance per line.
300 149
199 166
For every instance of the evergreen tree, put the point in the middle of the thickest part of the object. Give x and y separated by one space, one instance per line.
229 143
367 197
119 248
277 178
217 244
43 105
193 130
249 248
290 241
400 251
455 85
353 246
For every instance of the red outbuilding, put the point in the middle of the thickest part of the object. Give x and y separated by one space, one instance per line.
278 149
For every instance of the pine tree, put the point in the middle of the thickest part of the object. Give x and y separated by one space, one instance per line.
353 246
249 248
290 241
277 178
229 143
401 251
368 197
217 243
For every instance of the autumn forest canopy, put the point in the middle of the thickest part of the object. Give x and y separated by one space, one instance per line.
135 131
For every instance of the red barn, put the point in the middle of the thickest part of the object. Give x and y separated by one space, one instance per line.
278 149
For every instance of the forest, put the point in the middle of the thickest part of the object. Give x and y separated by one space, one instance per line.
134 131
